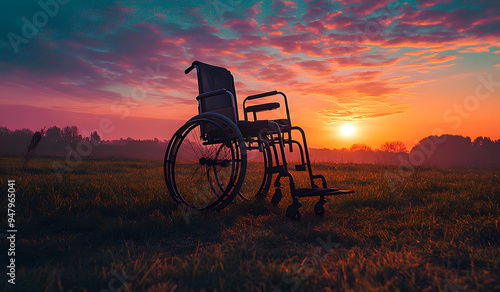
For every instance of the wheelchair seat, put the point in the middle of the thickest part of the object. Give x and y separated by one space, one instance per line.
252 128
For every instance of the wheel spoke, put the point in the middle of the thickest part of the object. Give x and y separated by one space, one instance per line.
205 169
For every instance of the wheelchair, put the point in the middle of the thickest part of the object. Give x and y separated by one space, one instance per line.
206 158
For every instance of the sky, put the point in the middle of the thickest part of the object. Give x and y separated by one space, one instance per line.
355 72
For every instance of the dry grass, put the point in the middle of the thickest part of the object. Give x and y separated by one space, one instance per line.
438 231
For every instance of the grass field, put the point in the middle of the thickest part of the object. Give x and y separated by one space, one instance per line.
112 226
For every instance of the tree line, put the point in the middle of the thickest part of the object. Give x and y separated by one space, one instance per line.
444 150
59 142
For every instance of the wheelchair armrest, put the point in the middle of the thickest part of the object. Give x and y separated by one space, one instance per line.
265 94
211 93
261 95
262 107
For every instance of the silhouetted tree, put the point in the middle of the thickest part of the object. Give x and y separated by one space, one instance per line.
23 133
485 152
394 146
67 133
71 134
75 134
4 131
53 134
445 150
95 138
360 147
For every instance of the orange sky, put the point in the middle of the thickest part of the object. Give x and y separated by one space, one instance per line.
390 70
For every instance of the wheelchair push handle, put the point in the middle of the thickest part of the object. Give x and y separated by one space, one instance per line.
189 69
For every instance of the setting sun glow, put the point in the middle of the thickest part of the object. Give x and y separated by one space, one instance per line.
347 130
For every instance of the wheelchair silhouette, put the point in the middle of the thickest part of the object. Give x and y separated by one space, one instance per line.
206 159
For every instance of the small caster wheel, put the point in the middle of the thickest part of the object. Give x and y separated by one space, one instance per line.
319 209
293 213
277 197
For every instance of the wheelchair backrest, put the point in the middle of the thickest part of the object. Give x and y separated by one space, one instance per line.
211 78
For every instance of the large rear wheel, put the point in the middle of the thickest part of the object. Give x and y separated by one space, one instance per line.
205 162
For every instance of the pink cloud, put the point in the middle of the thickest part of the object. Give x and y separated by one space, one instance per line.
242 26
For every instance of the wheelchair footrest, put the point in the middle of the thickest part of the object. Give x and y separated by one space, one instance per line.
313 192
300 167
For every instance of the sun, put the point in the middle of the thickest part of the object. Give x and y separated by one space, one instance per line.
347 130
